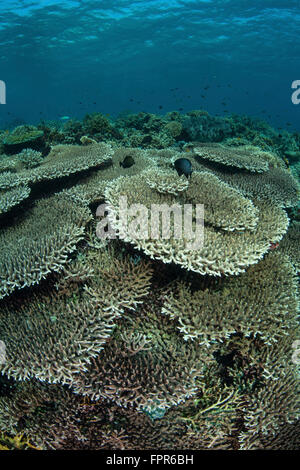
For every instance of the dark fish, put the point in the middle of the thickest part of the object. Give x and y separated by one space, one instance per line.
183 166
160 106
127 162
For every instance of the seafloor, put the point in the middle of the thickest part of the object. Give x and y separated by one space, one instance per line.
136 342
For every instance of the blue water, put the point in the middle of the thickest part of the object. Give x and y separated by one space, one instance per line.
72 57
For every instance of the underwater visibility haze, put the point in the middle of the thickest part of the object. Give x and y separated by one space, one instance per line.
149 225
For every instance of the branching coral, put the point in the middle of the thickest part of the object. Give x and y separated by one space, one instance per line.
246 156
254 303
118 282
40 242
224 206
13 197
30 158
223 252
276 185
91 188
59 335
45 413
154 356
165 181
290 244
271 407
65 328
63 160
154 369
21 137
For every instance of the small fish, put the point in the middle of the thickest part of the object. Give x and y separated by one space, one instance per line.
183 166
127 162
64 118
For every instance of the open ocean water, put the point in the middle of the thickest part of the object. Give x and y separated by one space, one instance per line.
71 57
149 227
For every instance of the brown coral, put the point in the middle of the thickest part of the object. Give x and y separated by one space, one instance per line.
146 364
40 242
247 157
252 304
223 252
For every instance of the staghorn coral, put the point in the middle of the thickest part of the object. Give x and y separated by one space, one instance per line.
178 393
271 407
9 180
165 181
66 327
224 206
247 157
46 414
91 188
276 185
30 158
155 369
63 160
13 197
287 438
47 233
118 282
223 252
290 244
253 303
60 334
8 163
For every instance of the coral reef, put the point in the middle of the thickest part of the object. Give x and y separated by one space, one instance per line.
247 157
47 233
119 331
13 197
251 304
242 242
22 137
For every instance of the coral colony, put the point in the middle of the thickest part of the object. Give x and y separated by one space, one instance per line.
111 339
